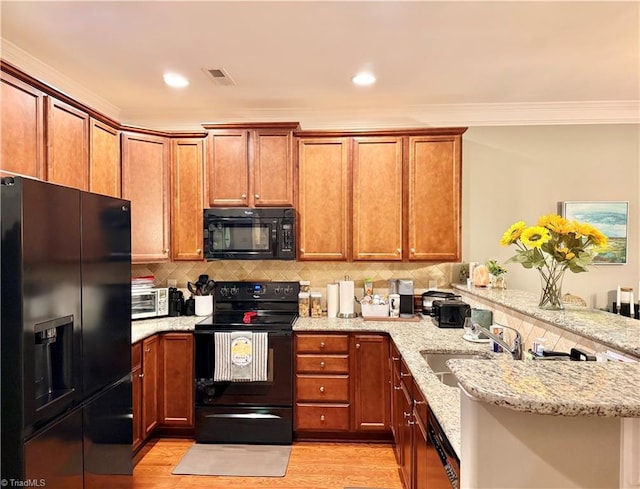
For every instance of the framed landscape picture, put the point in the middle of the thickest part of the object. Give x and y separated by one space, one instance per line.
609 217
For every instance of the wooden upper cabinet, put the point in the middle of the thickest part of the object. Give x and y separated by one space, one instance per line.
104 159
434 197
187 166
228 168
145 182
377 198
22 143
67 145
250 165
323 198
272 159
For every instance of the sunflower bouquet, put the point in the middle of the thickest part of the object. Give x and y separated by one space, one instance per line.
552 246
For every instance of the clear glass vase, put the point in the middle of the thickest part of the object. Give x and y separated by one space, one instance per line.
551 293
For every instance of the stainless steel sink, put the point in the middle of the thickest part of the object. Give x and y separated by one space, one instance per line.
438 363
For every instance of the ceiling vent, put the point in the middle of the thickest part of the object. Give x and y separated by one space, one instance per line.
219 76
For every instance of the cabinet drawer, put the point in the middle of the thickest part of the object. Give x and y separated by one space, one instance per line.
325 417
313 343
330 388
335 364
136 355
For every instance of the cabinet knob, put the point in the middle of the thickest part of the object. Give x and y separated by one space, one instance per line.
322 344
198 251
147 350
244 196
397 387
301 250
409 423
413 250
358 345
166 250
406 414
398 251
321 364
140 375
321 388
322 417
256 196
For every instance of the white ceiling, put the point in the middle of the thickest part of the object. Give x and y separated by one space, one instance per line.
437 63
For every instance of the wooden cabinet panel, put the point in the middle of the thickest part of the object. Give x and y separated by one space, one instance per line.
228 168
104 160
322 417
322 343
67 145
323 199
22 143
136 392
435 184
150 370
187 161
370 374
272 158
396 407
377 198
322 388
145 182
177 380
334 364
406 437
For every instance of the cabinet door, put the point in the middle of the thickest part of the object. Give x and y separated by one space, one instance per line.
150 368
421 462
272 160
228 168
136 387
396 409
377 198
371 382
177 380
104 160
406 436
145 182
434 198
22 144
187 158
323 203
67 145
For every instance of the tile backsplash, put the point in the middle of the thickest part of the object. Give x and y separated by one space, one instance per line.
319 273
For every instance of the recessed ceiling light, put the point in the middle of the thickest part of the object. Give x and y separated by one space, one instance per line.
364 79
174 80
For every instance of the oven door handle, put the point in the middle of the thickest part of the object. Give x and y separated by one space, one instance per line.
244 416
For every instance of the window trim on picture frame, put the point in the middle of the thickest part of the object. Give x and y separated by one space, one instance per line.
608 217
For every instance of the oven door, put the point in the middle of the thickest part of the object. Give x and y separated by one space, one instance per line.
277 390
243 238
144 304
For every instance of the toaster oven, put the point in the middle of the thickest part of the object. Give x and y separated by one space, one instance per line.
149 303
449 313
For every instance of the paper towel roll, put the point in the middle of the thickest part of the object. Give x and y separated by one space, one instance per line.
346 297
333 300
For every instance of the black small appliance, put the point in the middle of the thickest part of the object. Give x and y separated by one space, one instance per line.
430 295
176 302
449 313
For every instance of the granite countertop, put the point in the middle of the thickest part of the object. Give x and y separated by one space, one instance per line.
612 330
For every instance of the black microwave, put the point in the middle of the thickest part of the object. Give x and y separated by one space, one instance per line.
232 233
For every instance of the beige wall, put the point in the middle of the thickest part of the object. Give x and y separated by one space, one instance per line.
521 172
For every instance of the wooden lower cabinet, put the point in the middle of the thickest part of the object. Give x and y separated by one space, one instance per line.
162 379
176 381
341 385
136 387
150 357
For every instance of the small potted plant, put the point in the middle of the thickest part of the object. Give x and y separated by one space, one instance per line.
496 272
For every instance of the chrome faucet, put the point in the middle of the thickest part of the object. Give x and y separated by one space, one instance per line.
516 351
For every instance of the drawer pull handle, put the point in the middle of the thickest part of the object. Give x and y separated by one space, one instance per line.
322 345
322 389
322 417
321 364
419 402
395 359
402 374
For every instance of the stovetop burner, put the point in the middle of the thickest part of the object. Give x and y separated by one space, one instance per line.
253 305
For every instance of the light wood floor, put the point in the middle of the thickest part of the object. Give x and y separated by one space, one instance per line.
311 466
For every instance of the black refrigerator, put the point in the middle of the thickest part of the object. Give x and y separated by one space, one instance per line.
65 336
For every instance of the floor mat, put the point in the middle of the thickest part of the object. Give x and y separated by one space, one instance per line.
235 460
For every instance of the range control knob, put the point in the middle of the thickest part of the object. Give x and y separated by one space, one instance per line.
234 290
224 292
288 290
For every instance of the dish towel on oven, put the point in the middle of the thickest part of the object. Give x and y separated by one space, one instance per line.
240 356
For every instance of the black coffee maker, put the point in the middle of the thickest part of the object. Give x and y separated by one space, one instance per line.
176 302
